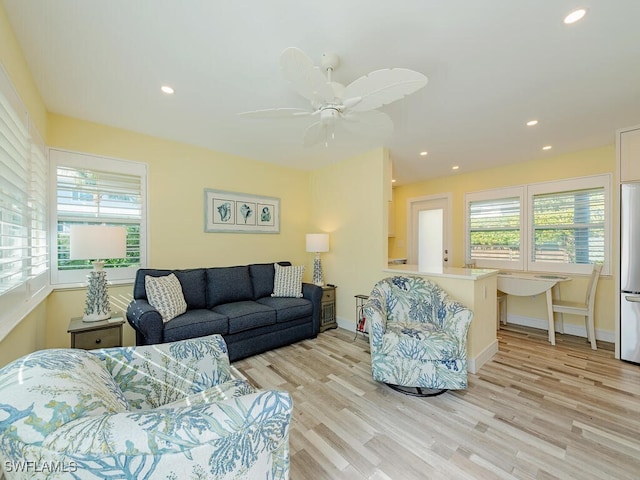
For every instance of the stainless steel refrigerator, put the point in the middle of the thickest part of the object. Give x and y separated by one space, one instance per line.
630 272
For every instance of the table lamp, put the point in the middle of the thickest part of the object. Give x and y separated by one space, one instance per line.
317 243
97 243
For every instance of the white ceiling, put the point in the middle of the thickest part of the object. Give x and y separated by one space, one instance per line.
492 65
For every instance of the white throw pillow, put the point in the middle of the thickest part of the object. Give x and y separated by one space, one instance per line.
165 294
287 281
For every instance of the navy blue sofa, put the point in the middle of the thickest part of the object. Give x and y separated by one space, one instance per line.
234 302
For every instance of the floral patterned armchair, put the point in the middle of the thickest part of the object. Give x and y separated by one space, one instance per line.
418 336
168 411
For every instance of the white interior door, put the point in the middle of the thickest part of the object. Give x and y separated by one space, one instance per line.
428 236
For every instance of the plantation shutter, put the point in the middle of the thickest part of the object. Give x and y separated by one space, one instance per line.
494 229
38 188
569 227
14 198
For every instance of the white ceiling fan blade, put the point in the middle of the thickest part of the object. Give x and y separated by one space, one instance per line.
371 124
276 113
316 133
306 78
382 87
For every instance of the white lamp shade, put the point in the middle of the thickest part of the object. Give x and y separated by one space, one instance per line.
317 242
97 242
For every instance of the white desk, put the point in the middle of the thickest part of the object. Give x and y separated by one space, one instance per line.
528 284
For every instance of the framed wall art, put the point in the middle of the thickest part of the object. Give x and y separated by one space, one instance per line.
234 212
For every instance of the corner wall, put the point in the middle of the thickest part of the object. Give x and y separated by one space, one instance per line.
350 202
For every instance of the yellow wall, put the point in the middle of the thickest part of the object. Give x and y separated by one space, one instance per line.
589 162
27 337
349 201
15 64
178 174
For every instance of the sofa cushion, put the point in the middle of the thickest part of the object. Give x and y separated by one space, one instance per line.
287 281
246 315
193 287
195 323
228 284
49 388
288 309
192 281
262 279
262 275
165 294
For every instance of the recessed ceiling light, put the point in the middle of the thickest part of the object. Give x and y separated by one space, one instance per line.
424 154
574 16
531 123
455 167
547 147
393 180
167 89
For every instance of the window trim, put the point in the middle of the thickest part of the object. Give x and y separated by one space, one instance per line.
526 262
66 278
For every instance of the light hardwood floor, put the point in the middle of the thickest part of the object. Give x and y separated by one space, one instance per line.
534 412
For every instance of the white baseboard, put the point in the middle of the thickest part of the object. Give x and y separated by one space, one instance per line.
476 363
569 328
346 324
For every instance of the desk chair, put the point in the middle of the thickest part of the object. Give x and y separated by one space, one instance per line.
583 308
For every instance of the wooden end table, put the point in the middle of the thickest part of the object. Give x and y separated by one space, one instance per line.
90 335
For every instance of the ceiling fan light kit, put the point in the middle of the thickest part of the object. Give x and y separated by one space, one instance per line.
352 107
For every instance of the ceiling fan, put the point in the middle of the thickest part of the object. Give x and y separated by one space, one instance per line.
352 107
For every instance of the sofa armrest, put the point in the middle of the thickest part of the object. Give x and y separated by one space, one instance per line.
153 375
247 436
146 321
313 293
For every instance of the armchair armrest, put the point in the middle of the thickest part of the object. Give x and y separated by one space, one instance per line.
314 294
153 375
245 435
146 321
375 311
457 321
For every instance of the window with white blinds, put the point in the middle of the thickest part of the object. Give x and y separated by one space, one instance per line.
23 187
92 190
494 222
14 199
23 212
570 224
495 229
560 226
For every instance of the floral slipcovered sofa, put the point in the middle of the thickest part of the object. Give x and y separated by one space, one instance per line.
417 334
171 411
